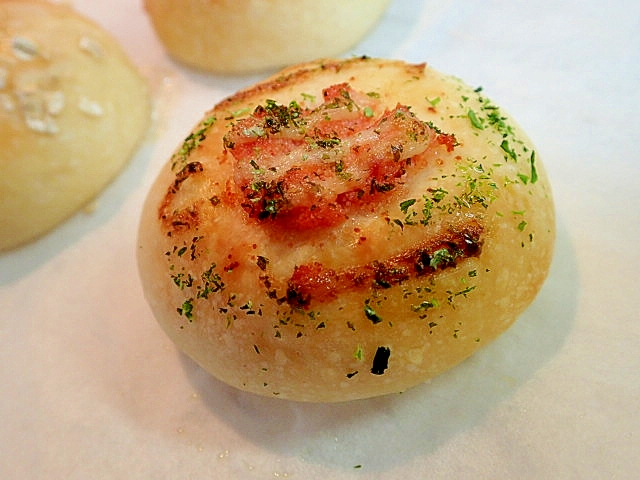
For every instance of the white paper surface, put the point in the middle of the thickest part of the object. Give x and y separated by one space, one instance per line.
92 388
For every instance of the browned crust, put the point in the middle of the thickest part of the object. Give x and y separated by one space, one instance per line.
315 282
302 73
186 219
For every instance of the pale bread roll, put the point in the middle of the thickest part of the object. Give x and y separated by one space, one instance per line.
346 229
234 37
73 110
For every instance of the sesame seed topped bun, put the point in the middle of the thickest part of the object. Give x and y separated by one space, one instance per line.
73 110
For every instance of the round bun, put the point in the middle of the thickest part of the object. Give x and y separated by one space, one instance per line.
227 36
72 111
346 229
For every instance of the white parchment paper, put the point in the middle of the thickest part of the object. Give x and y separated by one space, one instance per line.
90 387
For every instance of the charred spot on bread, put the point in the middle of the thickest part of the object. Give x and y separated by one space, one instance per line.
184 219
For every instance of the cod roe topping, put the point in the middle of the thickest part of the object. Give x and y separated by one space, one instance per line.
307 168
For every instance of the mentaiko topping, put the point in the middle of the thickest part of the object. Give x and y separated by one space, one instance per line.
309 168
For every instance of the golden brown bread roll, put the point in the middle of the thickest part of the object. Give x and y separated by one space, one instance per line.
346 229
73 109
227 36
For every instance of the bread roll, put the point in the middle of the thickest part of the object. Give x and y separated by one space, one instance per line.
227 36
345 229
73 109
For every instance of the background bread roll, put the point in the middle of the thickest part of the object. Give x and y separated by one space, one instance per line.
346 229
73 109
228 36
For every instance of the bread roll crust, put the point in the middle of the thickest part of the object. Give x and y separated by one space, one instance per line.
365 293
231 37
73 109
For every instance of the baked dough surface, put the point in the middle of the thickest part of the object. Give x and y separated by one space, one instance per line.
73 109
232 37
346 229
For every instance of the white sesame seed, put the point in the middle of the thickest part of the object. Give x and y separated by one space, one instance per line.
33 108
41 124
90 107
92 47
24 48
55 102
7 103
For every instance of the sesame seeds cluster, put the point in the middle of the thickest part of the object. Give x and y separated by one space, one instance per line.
31 90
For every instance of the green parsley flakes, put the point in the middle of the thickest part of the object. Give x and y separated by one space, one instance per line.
441 257
404 206
475 121
534 172
371 314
